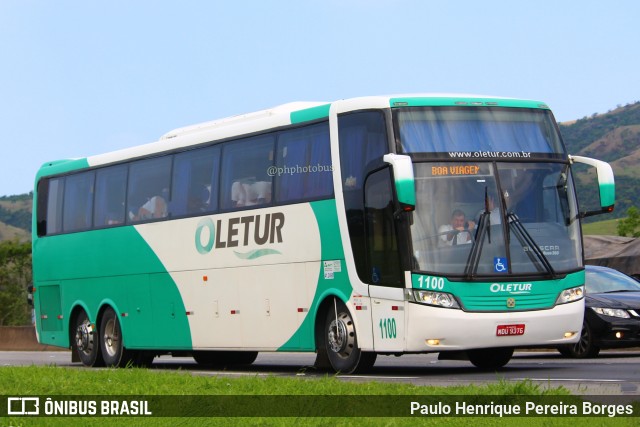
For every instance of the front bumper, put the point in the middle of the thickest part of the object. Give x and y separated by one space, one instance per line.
459 330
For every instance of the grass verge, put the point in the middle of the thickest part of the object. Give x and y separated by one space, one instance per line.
141 383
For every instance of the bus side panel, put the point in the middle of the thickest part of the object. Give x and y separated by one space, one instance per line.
49 315
114 267
247 278
331 279
257 307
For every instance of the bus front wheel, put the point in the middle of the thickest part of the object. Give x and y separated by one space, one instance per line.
341 342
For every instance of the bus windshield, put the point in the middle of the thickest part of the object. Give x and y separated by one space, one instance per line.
478 132
488 219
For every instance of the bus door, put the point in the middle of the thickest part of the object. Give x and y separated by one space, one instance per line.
386 287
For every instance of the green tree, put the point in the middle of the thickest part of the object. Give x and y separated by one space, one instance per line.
15 276
631 224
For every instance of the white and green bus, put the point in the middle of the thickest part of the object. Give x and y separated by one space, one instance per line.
376 225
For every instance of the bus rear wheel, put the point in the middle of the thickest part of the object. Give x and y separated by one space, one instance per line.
341 343
490 358
85 341
111 343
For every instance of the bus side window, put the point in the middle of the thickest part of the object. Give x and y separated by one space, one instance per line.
304 168
78 202
246 166
148 191
50 192
363 142
195 182
382 242
111 186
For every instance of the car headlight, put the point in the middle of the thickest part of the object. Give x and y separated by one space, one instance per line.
439 299
613 312
571 295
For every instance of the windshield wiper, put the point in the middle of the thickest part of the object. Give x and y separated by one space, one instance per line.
526 240
476 249
484 227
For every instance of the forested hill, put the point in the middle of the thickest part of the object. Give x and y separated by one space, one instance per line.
15 217
615 138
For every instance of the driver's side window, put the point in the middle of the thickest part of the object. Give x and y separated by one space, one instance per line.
381 237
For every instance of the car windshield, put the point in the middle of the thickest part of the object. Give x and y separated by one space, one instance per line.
488 219
608 280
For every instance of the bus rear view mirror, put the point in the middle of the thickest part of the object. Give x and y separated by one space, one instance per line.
403 179
606 184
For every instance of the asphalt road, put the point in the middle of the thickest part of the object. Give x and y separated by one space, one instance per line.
612 373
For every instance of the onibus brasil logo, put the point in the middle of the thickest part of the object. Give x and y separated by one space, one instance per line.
240 232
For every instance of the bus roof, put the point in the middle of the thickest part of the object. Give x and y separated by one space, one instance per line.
282 115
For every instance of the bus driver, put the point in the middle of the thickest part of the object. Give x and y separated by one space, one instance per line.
458 231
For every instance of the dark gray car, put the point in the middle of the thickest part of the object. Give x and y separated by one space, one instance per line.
612 313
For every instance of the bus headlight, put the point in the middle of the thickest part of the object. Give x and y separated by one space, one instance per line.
439 299
571 295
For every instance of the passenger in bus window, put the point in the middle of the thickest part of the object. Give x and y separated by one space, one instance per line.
248 193
458 232
155 207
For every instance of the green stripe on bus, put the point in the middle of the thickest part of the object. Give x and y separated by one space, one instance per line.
331 249
607 194
492 296
119 263
465 102
308 114
62 166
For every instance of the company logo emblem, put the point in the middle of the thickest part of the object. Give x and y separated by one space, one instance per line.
511 302
511 288
23 406
250 230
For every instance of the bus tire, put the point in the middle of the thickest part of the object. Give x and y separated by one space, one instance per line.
341 342
111 341
223 358
85 340
490 358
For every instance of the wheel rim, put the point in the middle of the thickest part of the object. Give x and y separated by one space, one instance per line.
111 337
341 336
84 337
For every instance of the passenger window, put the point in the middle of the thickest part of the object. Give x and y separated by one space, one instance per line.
111 187
78 202
247 172
54 196
304 168
195 182
148 192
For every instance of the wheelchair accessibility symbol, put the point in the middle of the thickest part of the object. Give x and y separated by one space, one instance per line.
499 265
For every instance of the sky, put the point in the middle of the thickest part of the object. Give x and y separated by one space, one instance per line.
85 77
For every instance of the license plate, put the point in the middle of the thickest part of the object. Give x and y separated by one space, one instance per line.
508 330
